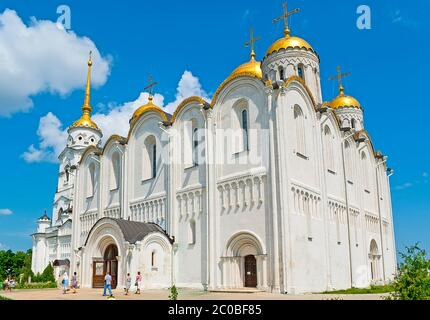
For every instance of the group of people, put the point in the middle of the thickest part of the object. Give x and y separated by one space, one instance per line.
73 282
128 281
9 284
107 283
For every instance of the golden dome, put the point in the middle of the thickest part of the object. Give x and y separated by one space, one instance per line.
289 42
148 107
85 121
343 101
252 68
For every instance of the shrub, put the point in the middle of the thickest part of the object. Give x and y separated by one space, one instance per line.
173 293
412 281
44 285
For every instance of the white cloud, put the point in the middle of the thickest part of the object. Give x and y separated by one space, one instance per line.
5 212
40 57
115 121
53 139
188 86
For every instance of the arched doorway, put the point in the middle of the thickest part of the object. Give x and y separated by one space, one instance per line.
244 263
108 264
250 271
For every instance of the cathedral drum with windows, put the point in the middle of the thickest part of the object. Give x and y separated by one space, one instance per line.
264 187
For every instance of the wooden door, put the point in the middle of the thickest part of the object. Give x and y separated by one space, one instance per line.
250 272
99 272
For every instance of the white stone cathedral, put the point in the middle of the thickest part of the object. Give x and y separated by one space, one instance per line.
264 187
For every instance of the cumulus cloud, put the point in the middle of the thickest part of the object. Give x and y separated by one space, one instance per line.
3 247
5 212
188 86
41 57
53 139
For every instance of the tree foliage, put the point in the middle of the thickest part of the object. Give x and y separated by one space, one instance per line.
412 281
17 265
46 276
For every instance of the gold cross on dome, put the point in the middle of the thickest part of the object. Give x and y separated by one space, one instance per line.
251 42
285 17
339 77
151 85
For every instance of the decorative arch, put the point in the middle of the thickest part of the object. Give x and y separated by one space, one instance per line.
233 84
244 243
219 92
185 103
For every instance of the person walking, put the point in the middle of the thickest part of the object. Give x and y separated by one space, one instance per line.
65 282
138 282
11 284
74 282
108 285
127 284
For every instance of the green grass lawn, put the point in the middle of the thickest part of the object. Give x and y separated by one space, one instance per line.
371 290
4 298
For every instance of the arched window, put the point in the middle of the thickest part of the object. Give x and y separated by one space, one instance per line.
240 127
281 73
191 143
150 158
300 131
245 129
353 123
192 232
349 161
154 259
91 180
195 146
301 71
328 152
115 171
365 166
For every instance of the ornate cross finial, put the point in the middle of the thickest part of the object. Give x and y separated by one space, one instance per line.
339 77
150 87
285 17
251 42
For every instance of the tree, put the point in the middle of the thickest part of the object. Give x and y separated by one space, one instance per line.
13 263
48 274
412 281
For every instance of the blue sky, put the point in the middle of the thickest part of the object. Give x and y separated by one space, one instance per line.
389 68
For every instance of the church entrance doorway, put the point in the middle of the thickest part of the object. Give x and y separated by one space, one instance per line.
250 272
108 264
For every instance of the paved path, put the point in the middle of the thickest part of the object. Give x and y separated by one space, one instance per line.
184 294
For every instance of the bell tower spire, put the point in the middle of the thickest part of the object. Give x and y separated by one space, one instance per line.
85 121
87 107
